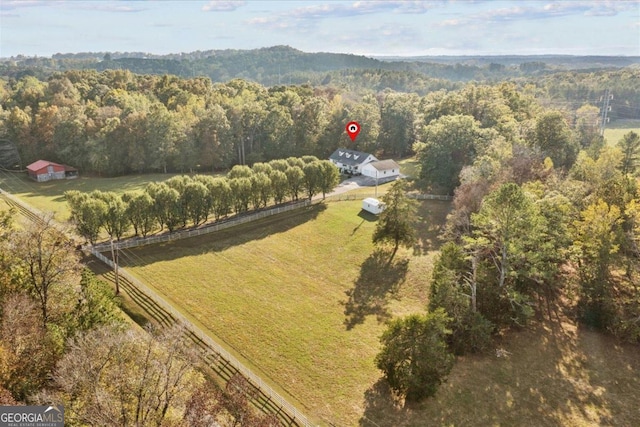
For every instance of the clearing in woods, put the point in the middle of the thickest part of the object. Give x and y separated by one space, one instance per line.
614 132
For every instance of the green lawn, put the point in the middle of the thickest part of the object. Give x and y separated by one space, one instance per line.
616 130
301 297
49 196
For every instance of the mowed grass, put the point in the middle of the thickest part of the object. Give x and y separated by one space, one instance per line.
301 297
48 197
553 374
614 132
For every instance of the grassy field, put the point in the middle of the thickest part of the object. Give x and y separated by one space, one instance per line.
301 297
49 196
553 374
616 130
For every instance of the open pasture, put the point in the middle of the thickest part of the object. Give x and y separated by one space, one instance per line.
614 132
301 297
49 196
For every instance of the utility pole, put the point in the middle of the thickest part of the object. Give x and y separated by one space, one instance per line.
114 257
376 182
606 108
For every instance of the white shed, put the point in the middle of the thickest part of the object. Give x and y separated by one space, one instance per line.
372 205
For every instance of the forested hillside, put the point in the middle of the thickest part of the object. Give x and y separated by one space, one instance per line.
116 122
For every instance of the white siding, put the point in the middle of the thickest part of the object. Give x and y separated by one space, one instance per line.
369 170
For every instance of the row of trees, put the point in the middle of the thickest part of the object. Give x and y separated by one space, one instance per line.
182 200
63 340
524 237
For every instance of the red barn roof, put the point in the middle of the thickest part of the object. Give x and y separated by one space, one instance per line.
41 164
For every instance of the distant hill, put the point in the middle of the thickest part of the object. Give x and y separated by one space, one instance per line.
284 64
568 62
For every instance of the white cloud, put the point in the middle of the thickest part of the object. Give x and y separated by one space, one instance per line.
451 23
222 5
15 4
527 11
306 16
102 6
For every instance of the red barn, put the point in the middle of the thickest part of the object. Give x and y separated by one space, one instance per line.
43 170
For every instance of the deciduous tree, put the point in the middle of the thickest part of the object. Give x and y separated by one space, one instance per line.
48 259
395 222
414 358
111 377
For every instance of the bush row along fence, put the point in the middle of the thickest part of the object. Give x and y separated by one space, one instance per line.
296 418
217 226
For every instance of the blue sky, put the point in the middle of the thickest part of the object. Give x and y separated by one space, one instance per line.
392 28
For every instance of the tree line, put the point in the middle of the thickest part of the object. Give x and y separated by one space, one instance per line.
273 65
182 200
115 122
534 233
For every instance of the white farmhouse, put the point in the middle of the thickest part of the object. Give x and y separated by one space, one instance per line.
382 170
351 162
372 205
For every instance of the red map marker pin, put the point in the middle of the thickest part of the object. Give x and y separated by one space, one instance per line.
353 129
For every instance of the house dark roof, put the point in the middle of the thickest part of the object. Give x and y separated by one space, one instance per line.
385 165
349 157
36 166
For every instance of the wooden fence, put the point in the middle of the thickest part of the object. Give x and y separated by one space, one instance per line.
216 226
360 196
294 416
420 196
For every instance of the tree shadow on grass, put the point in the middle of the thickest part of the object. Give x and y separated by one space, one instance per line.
366 217
382 408
378 280
542 378
219 241
429 225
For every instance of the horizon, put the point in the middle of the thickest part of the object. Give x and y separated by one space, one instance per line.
123 53
400 29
